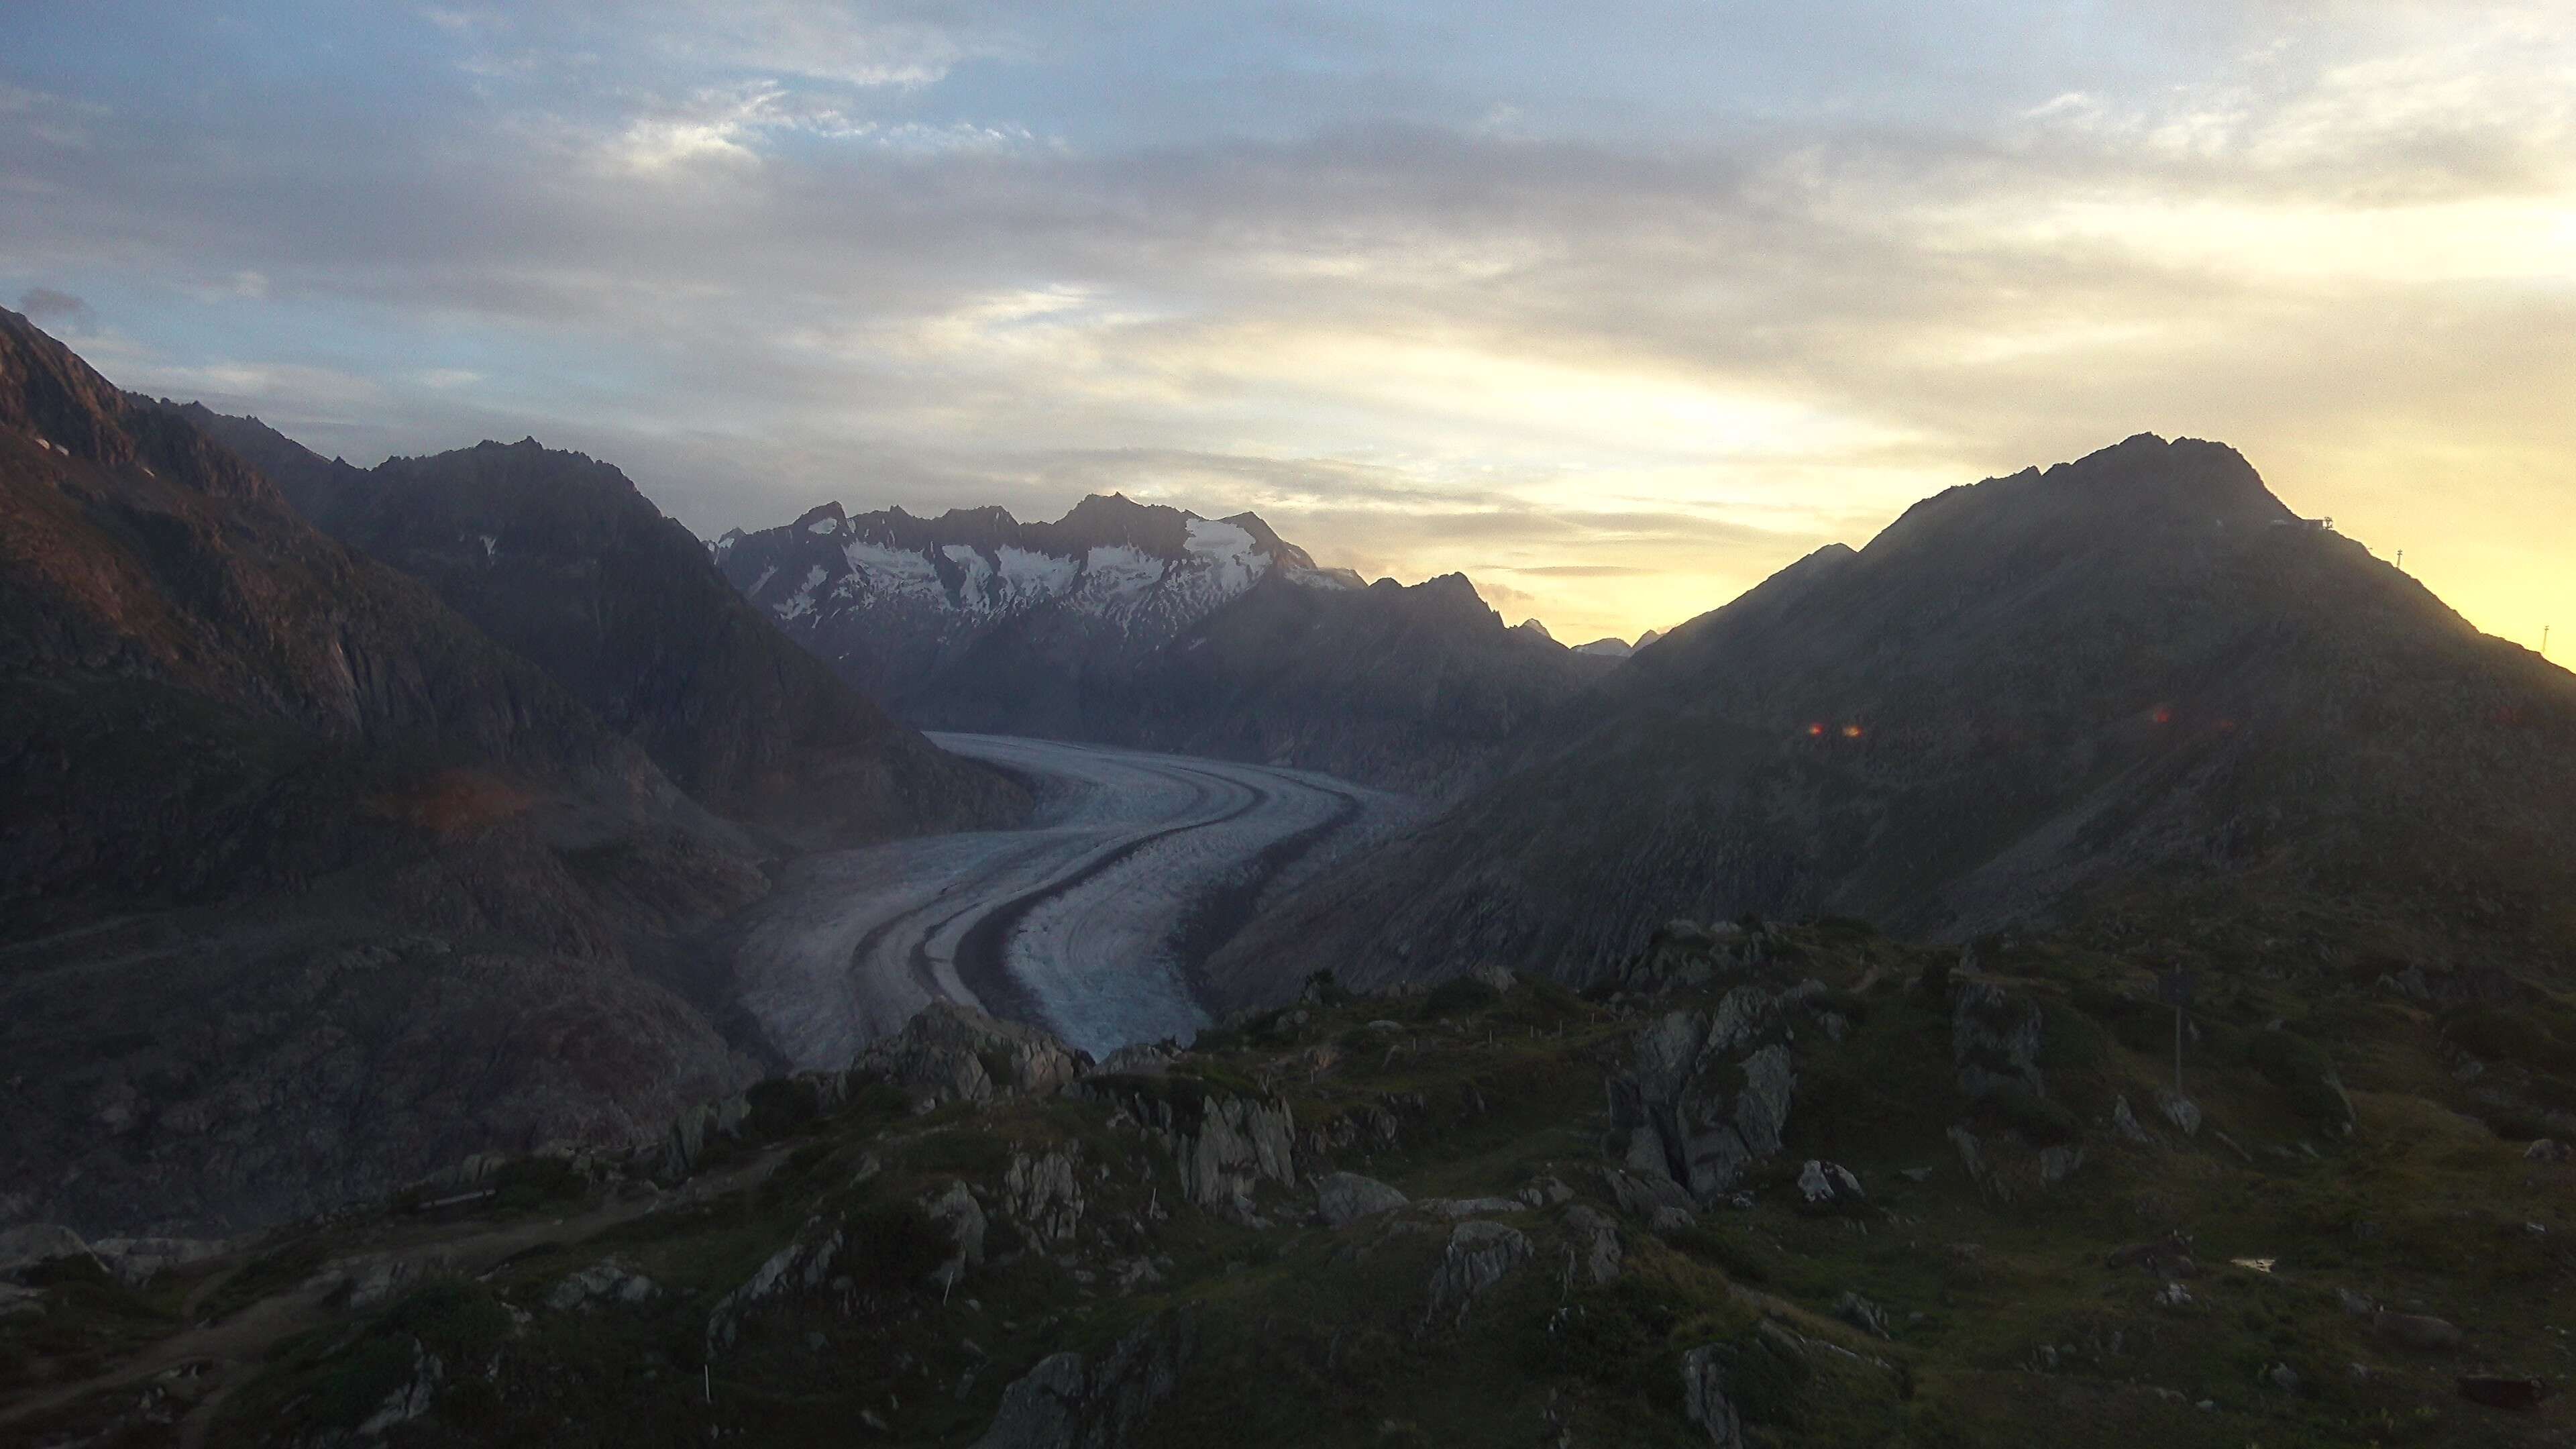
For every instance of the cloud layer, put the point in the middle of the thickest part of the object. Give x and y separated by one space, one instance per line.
1616 311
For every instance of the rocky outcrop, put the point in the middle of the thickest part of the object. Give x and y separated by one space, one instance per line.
1704 1400
1862 1314
1825 1185
954 1209
1479 1255
31 1245
1706 1094
953 1053
1648 1195
1075 1401
2181 1111
603 1283
1041 1192
1972 1159
684 1147
1593 1245
1995 1040
2125 1122
411 1400
1685 954
803 1265
1223 1145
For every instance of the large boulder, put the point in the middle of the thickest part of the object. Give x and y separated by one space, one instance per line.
1343 1198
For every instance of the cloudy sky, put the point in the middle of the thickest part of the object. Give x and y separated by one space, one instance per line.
1615 306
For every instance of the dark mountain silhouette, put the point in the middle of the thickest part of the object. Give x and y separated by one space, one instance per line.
311 886
1413 688
557 556
2133 679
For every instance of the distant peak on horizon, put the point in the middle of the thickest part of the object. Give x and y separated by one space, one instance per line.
1095 520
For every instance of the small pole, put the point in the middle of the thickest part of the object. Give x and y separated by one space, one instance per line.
2176 985
2544 641
2401 558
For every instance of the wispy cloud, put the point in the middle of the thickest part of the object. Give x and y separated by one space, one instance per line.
1620 310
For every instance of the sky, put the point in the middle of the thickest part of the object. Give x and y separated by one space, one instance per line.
1615 307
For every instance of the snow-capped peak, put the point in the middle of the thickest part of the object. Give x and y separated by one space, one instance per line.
1144 570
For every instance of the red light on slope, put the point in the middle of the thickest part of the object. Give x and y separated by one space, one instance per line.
2163 715
1815 731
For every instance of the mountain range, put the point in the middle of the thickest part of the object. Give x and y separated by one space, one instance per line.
1140 624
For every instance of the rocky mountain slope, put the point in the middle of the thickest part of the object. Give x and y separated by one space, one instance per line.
1847 1192
1411 688
2112 685
557 556
1142 625
309 884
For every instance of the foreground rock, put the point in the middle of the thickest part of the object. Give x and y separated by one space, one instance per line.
1070 1401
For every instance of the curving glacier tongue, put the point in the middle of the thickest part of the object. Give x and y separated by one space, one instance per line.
1089 922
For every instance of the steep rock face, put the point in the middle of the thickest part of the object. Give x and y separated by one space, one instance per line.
310 886
2137 672
559 557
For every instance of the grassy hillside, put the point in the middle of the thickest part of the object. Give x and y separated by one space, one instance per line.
2362 1143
